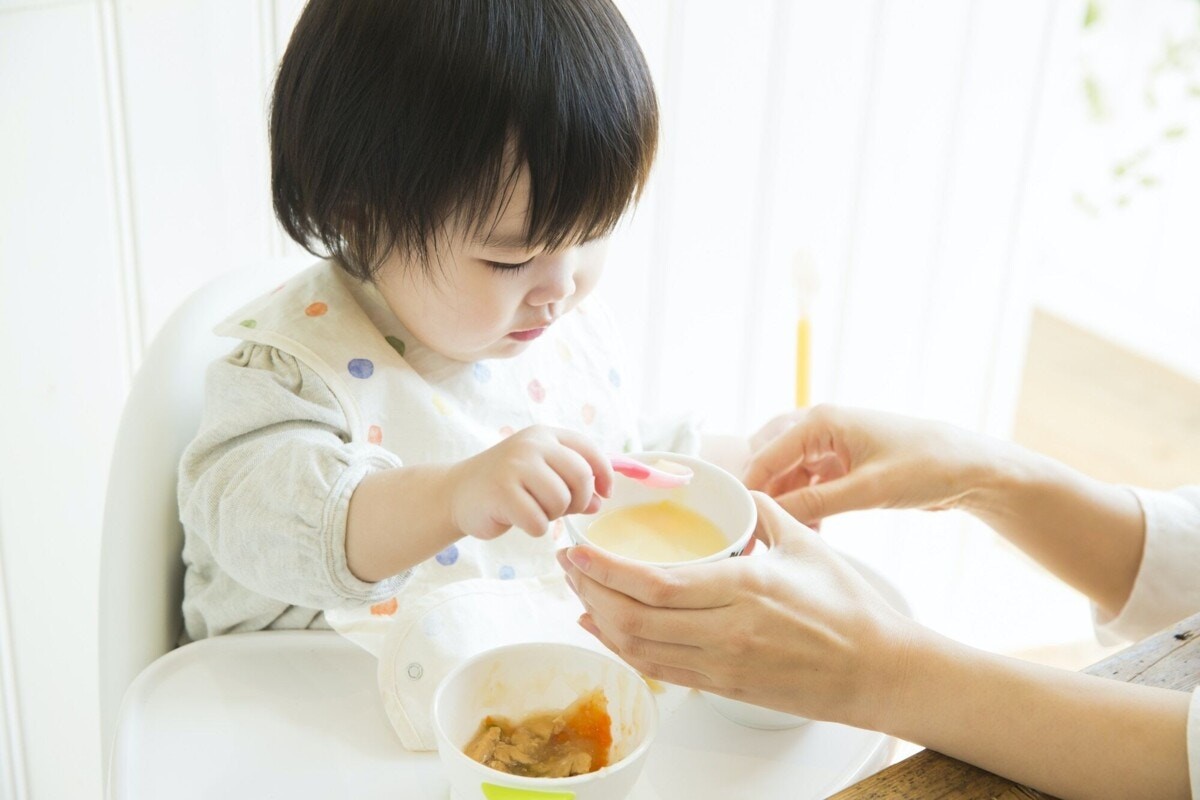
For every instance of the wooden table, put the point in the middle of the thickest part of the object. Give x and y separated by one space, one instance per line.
1169 659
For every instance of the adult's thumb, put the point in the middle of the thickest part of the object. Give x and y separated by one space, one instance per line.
776 527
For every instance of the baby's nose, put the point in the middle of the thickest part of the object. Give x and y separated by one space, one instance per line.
556 280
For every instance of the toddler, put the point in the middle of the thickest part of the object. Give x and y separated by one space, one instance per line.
443 376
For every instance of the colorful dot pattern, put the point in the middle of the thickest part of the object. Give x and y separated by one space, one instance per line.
361 368
385 609
431 625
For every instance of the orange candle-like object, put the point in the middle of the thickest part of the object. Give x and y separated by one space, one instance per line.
802 365
804 274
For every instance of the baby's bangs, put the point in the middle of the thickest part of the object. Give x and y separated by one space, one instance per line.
578 112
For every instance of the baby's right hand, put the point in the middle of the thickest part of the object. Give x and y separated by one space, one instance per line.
528 480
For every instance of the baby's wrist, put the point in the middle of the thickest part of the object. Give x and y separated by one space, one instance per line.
448 496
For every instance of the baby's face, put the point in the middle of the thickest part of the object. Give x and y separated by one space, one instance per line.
489 298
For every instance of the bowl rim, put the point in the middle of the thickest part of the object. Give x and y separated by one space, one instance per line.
523 781
735 547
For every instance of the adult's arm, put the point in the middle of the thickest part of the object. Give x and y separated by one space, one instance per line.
799 630
1087 532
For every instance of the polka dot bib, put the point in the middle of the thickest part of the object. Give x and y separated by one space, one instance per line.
400 395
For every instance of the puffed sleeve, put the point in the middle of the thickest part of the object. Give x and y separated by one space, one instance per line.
264 490
1167 587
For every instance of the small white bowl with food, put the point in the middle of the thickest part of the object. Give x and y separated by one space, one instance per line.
543 721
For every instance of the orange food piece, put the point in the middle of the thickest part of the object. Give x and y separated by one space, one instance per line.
588 727
550 744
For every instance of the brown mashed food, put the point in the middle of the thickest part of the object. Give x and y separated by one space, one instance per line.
554 744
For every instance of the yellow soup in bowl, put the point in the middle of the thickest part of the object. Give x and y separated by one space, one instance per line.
662 532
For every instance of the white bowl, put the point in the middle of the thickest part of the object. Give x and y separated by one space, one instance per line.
522 679
751 716
712 492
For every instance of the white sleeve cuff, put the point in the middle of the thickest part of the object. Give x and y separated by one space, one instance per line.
1166 588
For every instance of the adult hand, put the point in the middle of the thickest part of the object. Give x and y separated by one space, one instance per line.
528 480
796 628
833 459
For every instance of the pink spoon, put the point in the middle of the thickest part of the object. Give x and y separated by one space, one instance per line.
663 475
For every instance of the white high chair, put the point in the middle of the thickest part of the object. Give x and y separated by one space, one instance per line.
269 714
296 714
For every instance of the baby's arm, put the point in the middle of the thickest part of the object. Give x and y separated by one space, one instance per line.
285 504
264 488
402 516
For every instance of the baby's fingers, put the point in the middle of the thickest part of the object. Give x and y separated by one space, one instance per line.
597 462
524 511
548 491
576 473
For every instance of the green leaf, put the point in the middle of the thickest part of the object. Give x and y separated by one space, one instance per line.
1121 168
1092 13
1176 132
1085 205
1094 96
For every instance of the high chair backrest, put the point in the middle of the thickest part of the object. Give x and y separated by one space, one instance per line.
141 570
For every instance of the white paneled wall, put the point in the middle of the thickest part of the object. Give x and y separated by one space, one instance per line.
907 146
64 358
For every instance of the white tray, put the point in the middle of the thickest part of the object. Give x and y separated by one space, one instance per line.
296 715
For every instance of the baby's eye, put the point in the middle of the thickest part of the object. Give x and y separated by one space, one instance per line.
502 266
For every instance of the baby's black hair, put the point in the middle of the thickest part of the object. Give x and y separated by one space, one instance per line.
391 118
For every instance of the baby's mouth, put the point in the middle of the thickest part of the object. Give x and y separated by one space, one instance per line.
527 335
